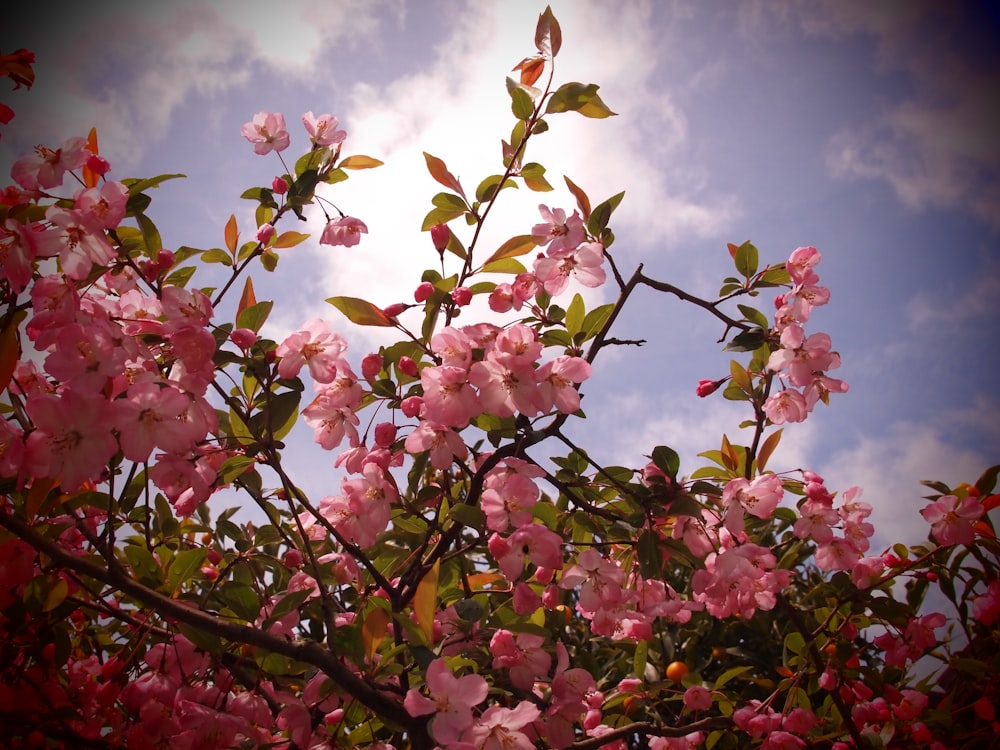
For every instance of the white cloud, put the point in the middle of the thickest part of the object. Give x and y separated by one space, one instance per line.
126 68
458 110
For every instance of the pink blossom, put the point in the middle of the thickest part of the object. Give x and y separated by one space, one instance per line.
697 698
265 233
46 167
451 701
151 416
558 232
497 728
331 424
951 519
73 439
986 606
506 388
584 262
267 132
323 129
79 242
443 443
314 345
448 396
103 206
800 265
345 231
787 405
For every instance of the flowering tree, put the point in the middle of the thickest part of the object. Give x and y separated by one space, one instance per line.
476 580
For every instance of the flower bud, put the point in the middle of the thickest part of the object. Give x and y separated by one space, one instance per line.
265 233
98 165
293 559
385 434
462 295
407 366
395 309
411 406
279 186
371 365
244 338
440 235
707 387
423 292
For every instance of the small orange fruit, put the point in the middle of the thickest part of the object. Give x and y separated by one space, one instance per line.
676 671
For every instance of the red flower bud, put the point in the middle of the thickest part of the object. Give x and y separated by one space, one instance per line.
707 387
395 309
462 295
423 292
407 366
371 365
279 186
440 234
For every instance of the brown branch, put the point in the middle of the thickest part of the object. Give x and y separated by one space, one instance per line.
308 652
648 729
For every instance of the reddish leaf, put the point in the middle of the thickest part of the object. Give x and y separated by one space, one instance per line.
991 502
522 244
439 171
548 35
531 69
232 235
359 162
767 449
581 199
90 178
247 299
732 249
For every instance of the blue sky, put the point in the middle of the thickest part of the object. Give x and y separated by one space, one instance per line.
865 129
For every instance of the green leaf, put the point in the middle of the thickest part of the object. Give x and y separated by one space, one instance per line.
755 316
602 214
288 602
578 97
241 599
595 320
440 216
143 564
747 341
504 265
264 196
217 255
533 175
150 235
575 316
360 311
280 415
289 239
521 103
746 260
774 276
137 186
729 675
491 186
254 316
184 566
666 460
233 467
468 515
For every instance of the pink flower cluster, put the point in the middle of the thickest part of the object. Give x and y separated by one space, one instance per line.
819 518
121 369
567 255
803 359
